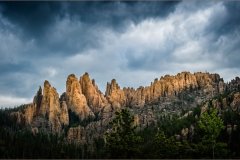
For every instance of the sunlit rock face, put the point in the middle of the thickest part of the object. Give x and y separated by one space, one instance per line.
64 117
164 87
95 99
45 111
50 106
115 95
52 113
29 114
76 101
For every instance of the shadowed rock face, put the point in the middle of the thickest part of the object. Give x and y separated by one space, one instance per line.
37 100
235 105
83 98
76 135
64 118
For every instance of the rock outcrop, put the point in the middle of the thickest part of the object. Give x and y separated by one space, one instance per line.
163 97
76 101
235 105
29 113
115 95
37 100
95 99
164 87
234 85
46 110
76 135
50 106
64 117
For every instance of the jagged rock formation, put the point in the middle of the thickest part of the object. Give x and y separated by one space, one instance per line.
172 86
76 101
95 99
50 105
45 110
167 95
230 101
115 95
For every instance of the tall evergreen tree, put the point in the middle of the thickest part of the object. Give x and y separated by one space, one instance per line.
122 140
211 125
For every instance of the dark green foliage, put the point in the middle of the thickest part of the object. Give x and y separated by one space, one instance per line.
24 144
197 111
211 125
122 141
18 142
233 119
174 125
164 147
75 121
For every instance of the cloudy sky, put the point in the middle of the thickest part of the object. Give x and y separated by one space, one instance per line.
133 42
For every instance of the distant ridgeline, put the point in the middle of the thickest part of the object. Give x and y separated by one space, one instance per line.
82 113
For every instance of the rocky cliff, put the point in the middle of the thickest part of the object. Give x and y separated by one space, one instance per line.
166 86
46 111
166 95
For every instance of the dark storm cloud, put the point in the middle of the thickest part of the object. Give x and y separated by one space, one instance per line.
115 14
232 21
38 21
35 17
32 17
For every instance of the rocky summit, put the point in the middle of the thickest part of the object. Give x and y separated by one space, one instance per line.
83 112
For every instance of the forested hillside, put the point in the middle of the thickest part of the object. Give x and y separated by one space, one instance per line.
197 118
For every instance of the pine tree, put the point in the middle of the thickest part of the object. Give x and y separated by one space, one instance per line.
122 140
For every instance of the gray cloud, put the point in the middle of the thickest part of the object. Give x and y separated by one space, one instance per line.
55 27
228 22
133 42
34 18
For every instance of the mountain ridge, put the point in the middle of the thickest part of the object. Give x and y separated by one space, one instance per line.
93 110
